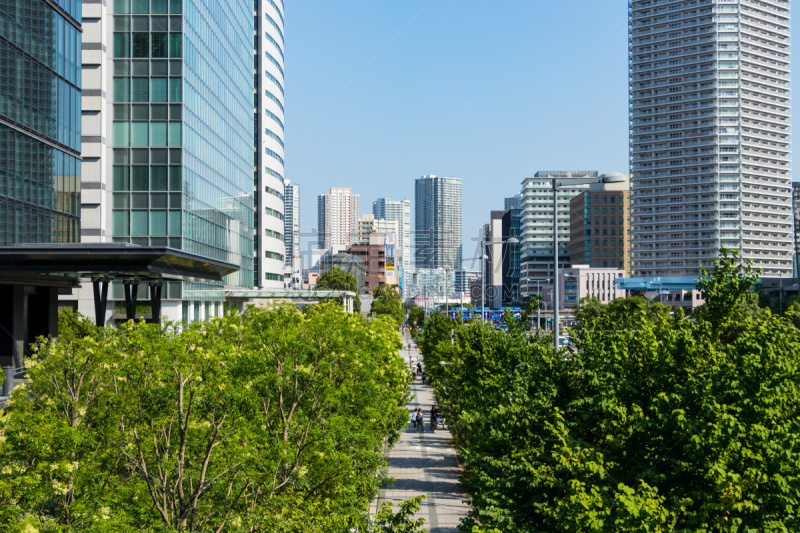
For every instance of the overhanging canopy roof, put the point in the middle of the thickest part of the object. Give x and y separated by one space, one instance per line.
111 260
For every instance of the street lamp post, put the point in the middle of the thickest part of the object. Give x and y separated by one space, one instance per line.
561 182
539 311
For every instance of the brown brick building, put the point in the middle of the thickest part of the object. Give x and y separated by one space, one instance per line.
600 227
374 257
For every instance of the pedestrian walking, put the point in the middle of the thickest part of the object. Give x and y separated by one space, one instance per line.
434 418
419 368
414 418
420 421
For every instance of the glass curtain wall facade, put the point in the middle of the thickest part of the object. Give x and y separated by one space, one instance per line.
292 225
438 222
182 131
710 123
272 237
40 122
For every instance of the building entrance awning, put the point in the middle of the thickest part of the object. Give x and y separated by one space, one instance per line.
65 264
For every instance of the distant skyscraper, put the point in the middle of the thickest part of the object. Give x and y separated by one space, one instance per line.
337 218
512 252
709 134
538 256
438 222
399 211
291 228
40 132
270 249
168 137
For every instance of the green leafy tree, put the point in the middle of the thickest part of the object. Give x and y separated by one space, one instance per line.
655 423
416 316
401 521
386 301
337 279
271 420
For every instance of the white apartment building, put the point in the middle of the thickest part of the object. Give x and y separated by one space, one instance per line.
399 211
438 222
709 134
536 242
369 224
337 218
581 281
291 224
268 55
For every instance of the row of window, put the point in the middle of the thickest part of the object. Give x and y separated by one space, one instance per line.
142 222
155 90
147 178
275 234
274 154
143 7
273 212
273 192
143 134
145 44
274 255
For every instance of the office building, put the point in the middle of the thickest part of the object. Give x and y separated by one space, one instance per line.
796 213
291 227
400 212
512 252
536 243
168 138
271 250
600 231
337 218
437 223
374 257
584 281
369 224
40 121
493 264
347 262
710 134
430 287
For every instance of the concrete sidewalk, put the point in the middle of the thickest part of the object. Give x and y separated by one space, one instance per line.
426 464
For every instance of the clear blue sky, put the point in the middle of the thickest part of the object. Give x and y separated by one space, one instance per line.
381 92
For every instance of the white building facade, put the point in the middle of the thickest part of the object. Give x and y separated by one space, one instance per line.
337 218
399 211
709 134
536 242
268 164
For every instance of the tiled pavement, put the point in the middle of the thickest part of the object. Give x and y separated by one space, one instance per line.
426 464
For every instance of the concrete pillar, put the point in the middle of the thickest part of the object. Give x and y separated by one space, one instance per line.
18 327
190 314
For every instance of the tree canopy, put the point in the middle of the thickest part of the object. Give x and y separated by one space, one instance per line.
337 279
271 420
386 302
653 423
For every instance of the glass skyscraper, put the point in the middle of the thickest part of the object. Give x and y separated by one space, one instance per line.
40 121
710 128
168 160
438 222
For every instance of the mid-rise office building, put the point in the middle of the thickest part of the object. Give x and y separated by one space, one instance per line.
430 287
271 249
40 121
291 227
512 251
438 222
796 212
536 244
709 134
400 212
168 138
600 230
337 218
495 260
369 224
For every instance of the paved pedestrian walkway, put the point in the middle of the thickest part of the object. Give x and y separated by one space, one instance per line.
426 464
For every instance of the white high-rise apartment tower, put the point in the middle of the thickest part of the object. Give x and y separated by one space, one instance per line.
337 218
291 227
399 211
709 134
437 222
270 248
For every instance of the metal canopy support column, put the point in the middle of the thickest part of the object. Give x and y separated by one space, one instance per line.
155 302
100 287
131 295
